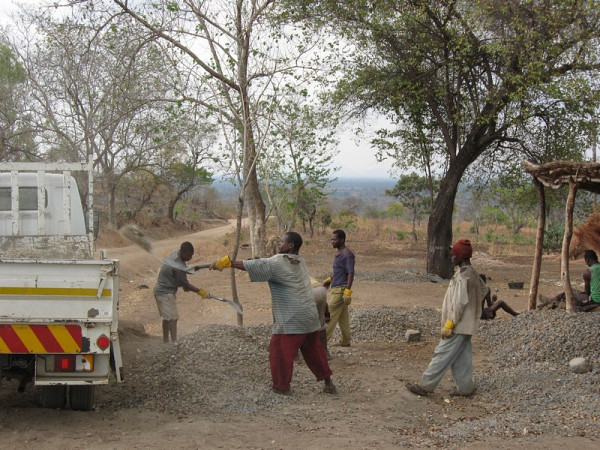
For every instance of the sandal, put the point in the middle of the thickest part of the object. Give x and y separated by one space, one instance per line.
417 389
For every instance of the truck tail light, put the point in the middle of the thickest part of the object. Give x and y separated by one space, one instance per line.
64 363
69 363
103 342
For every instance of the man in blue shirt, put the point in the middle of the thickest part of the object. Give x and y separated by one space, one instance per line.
341 288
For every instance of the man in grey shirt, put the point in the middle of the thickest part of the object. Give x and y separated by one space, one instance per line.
169 280
296 320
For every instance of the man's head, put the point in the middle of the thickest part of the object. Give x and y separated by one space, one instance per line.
186 251
289 242
461 251
338 238
590 257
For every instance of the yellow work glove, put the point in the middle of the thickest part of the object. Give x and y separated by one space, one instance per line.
347 296
221 264
202 293
447 330
327 281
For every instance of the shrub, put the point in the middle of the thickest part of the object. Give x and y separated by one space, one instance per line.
554 237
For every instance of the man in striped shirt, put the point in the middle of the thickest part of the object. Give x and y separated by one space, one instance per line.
296 320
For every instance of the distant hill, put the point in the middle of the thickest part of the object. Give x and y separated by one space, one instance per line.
370 191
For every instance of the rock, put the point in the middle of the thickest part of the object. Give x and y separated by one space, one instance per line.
412 335
435 278
580 365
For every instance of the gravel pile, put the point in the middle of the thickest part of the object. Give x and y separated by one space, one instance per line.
218 369
528 387
524 381
388 323
409 275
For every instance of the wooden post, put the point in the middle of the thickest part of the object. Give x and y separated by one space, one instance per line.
564 275
539 244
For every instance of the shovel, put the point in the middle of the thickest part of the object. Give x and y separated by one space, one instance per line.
137 236
182 267
233 304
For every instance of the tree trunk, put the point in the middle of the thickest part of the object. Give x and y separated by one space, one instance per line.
439 228
232 279
112 210
539 244
256 217
414 227
564 260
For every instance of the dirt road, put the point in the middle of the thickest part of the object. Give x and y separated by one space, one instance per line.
377 412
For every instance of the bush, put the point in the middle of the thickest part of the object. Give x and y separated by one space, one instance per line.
400 235
554 236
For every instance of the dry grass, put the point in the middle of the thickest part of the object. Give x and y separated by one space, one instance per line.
380 233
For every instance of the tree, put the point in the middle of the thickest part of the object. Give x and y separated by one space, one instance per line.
98 91
516 196
183 164
235 53
16 135
413 191
296 168
236 49
470 68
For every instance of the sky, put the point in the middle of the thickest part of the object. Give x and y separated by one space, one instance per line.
356 160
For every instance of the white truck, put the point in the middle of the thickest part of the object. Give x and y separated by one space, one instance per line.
58 304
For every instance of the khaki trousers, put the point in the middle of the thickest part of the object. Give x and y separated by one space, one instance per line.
338 311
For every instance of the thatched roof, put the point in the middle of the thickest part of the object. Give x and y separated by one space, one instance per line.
556 174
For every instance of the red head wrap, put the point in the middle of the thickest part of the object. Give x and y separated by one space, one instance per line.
462 249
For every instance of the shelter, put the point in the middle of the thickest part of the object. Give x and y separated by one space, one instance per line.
556 174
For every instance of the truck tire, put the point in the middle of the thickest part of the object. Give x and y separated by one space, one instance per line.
81 398
53 397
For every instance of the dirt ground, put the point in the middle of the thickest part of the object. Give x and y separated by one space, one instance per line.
374 417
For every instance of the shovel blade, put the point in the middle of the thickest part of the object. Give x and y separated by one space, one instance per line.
177 266
233 304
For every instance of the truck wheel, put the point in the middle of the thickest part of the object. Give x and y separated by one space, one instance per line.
53 397
81 397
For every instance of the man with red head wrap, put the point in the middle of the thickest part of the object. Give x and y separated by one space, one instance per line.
461 311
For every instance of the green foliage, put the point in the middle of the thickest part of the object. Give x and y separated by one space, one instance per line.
415 193
16 133
296 168
11 70
323 217
400 235
498 238
493 216
346 221
372 212
459 79
395 210
553 236
516 197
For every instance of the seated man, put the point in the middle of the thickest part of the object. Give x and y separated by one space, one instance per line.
489 306
590 297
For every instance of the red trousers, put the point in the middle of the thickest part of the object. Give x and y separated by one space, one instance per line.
284 347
